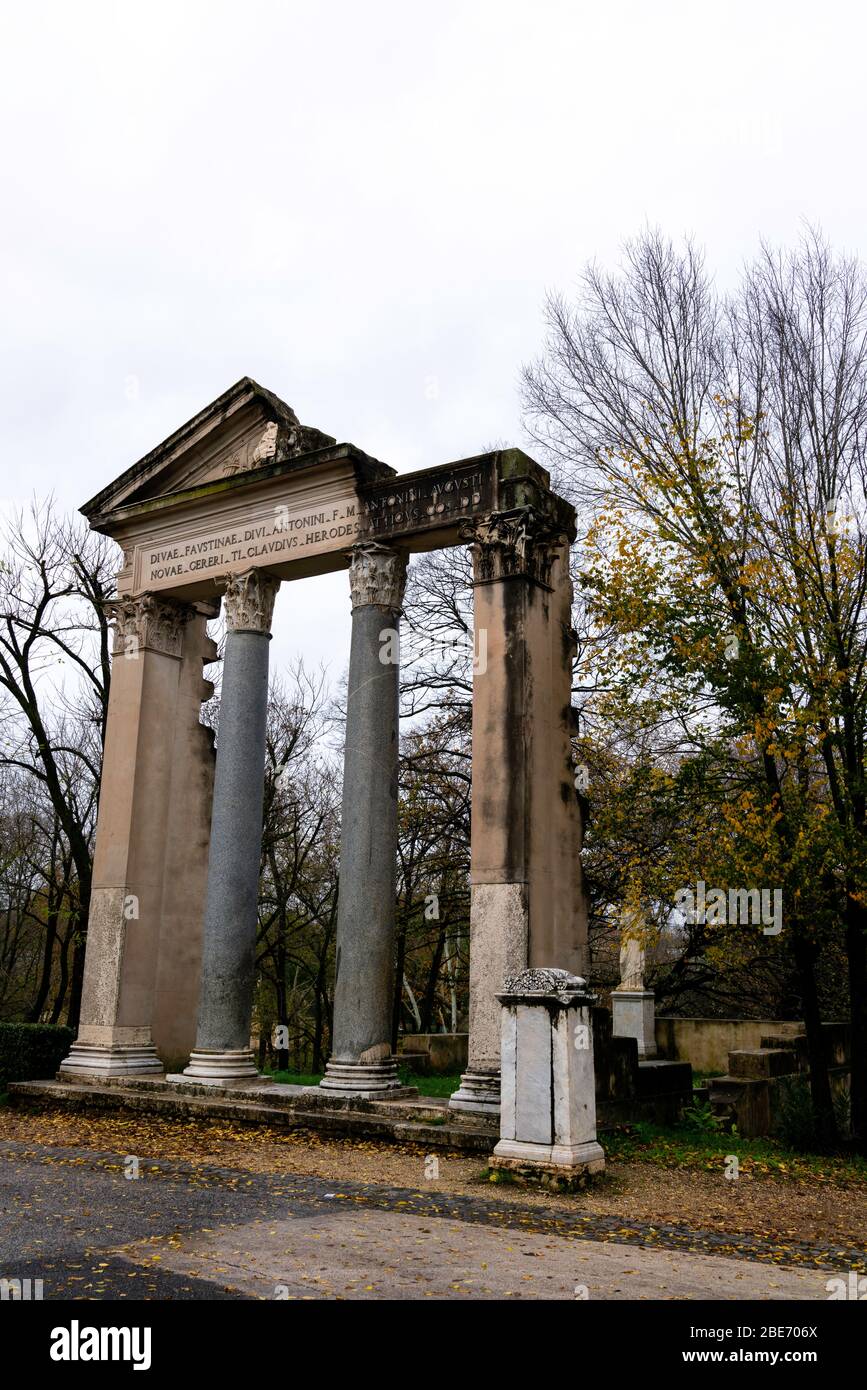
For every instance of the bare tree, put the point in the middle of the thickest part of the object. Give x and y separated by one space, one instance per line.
716 449
54 675
298 884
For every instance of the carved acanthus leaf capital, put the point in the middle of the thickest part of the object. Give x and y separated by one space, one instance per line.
546 984
250 601
377 575
148 623
522 542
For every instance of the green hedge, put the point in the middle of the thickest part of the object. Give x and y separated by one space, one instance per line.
32 1051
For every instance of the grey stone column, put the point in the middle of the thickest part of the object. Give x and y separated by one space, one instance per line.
361 1062
222 1053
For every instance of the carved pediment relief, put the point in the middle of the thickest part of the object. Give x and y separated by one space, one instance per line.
242 430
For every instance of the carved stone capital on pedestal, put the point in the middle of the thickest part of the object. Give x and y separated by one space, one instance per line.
522 543
250 601
148 623
377 575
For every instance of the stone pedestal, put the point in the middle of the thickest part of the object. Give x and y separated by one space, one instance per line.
361 1062
548 1104
634 1016
222 1053
527 901
117 1009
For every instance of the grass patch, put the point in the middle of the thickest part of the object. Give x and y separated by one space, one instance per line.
680 1147
430 1085
427 1085
701 1078
296 1078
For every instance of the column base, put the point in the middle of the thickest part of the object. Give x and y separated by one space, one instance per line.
92 1060
588 1157
376 1082
479 1091
220 1068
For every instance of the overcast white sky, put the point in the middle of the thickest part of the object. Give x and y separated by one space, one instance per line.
362 205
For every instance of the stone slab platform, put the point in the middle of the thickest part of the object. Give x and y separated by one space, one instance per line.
427 1122
423 1120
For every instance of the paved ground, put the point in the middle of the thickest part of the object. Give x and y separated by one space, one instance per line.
178 1231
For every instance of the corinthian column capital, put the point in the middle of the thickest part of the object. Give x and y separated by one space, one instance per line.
377 575
148 623
518 543
250 601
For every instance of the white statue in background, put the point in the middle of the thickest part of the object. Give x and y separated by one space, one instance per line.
633 1007
632 952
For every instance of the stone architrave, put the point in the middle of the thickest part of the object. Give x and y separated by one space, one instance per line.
548 1107
361 1062
527 905
222 1052
115 1034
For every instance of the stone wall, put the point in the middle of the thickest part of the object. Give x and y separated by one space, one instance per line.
707 1042
434 1054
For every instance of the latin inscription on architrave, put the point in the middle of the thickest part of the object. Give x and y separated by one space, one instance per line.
285 534
425 501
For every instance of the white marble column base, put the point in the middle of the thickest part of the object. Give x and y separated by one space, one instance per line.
479 1091
379 1081
589 1156
220 1068
90 1060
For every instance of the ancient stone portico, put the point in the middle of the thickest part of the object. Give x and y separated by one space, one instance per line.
229 510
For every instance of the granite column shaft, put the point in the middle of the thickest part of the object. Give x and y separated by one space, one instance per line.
361 1060
222 1052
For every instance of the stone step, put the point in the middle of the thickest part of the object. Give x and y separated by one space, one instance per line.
756 1063
730 1085
435 1128
797 1043
725 1093
743 1100
723 1089
279 1095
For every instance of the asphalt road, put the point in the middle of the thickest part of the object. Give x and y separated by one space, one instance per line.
72 1219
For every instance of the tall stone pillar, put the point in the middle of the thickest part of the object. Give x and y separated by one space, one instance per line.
222 1053
361 1061
526 899
188 837
114 1036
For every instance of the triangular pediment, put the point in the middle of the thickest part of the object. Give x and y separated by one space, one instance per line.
244 429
